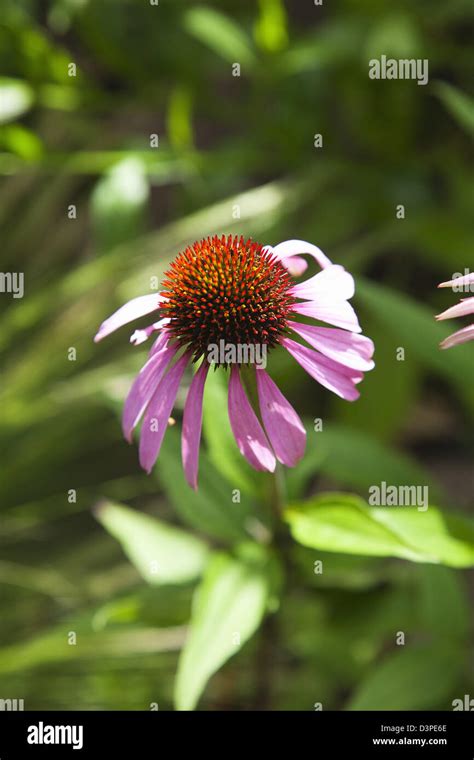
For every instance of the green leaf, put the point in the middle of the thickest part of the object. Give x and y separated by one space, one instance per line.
414 678
345 523
161 553
16 98
460 105
228 608
221 34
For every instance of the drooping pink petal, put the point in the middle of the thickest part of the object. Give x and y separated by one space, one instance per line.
192 424
467 279
344 347
326 309
156 344
466 306
158 412
248 433
461 336
145 385
332 282
282 425
133 309
289 248
337 378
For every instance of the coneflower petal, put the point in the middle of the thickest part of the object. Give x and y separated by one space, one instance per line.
347 348
158 413
466 306
461 336
145 385
294 265
192 425
282 425
289 248
337 378
248 433
327 309
137 307
333 281
466 279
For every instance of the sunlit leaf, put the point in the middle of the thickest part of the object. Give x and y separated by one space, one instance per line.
228 608
345 523
160 552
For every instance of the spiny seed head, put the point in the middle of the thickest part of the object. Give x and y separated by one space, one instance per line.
227 289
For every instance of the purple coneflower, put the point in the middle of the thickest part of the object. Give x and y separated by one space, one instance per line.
242 293
462 309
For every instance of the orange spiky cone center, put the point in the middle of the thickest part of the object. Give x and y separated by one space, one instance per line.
227 289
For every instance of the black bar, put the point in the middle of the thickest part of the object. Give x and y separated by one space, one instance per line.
137 734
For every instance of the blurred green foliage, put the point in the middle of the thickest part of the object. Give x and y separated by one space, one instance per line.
90 212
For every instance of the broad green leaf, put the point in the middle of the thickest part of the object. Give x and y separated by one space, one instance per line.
16 98
160 552
228 608
460 105
415 678
221 34
345 523
221 445
419 334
